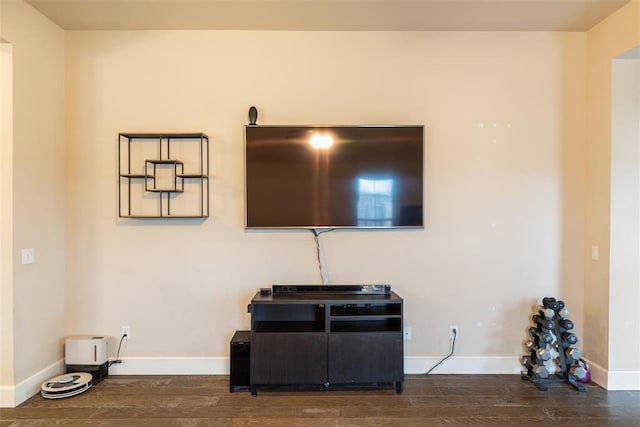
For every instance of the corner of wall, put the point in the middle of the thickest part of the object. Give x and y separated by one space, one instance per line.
12 396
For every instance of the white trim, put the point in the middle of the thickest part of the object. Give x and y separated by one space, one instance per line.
220 365
614 380
171 366
624 380
464 365
12 396
7 396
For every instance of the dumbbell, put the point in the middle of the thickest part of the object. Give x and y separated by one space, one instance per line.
531 359
530 345
585 366
541 336
550 302
544 323
557 305
569 338
553 352
578 370
566 324
573 353
548 313
538 370
551 366
541 353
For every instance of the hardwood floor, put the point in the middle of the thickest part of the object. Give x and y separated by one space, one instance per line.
433 400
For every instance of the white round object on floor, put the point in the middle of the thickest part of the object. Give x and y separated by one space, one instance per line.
66 385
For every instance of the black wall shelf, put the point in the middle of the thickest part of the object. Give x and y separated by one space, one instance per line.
163 175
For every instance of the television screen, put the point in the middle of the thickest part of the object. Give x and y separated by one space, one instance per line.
334 176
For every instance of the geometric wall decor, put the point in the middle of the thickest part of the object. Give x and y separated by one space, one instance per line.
163 175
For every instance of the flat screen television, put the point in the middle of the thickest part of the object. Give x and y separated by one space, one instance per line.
325 177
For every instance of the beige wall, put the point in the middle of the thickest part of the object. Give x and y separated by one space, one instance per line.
607 304
510 168
36 200
504 174
6 221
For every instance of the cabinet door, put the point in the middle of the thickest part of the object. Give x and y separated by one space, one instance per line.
288 358
361 357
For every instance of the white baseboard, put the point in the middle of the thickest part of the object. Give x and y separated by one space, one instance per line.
463 365
614 380
220 365
624 380
171 366
12 396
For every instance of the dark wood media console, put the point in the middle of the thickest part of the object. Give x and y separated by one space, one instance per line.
326 335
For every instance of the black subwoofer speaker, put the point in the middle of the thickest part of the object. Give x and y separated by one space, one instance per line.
239 379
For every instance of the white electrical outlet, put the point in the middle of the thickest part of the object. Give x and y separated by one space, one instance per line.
452 328
407 333
28 256
126 330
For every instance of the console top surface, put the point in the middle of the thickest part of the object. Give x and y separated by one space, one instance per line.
328 293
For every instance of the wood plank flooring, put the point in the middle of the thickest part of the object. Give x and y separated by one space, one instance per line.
431 400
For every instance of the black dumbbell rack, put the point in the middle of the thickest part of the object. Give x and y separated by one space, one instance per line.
542 336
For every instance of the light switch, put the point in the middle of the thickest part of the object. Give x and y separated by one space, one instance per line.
595 253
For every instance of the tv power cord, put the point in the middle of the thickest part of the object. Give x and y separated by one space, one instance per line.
118 360
452 344
321 266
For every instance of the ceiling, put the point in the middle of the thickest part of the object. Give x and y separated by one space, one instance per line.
348 15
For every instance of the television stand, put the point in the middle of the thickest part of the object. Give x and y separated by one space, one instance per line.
327 336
